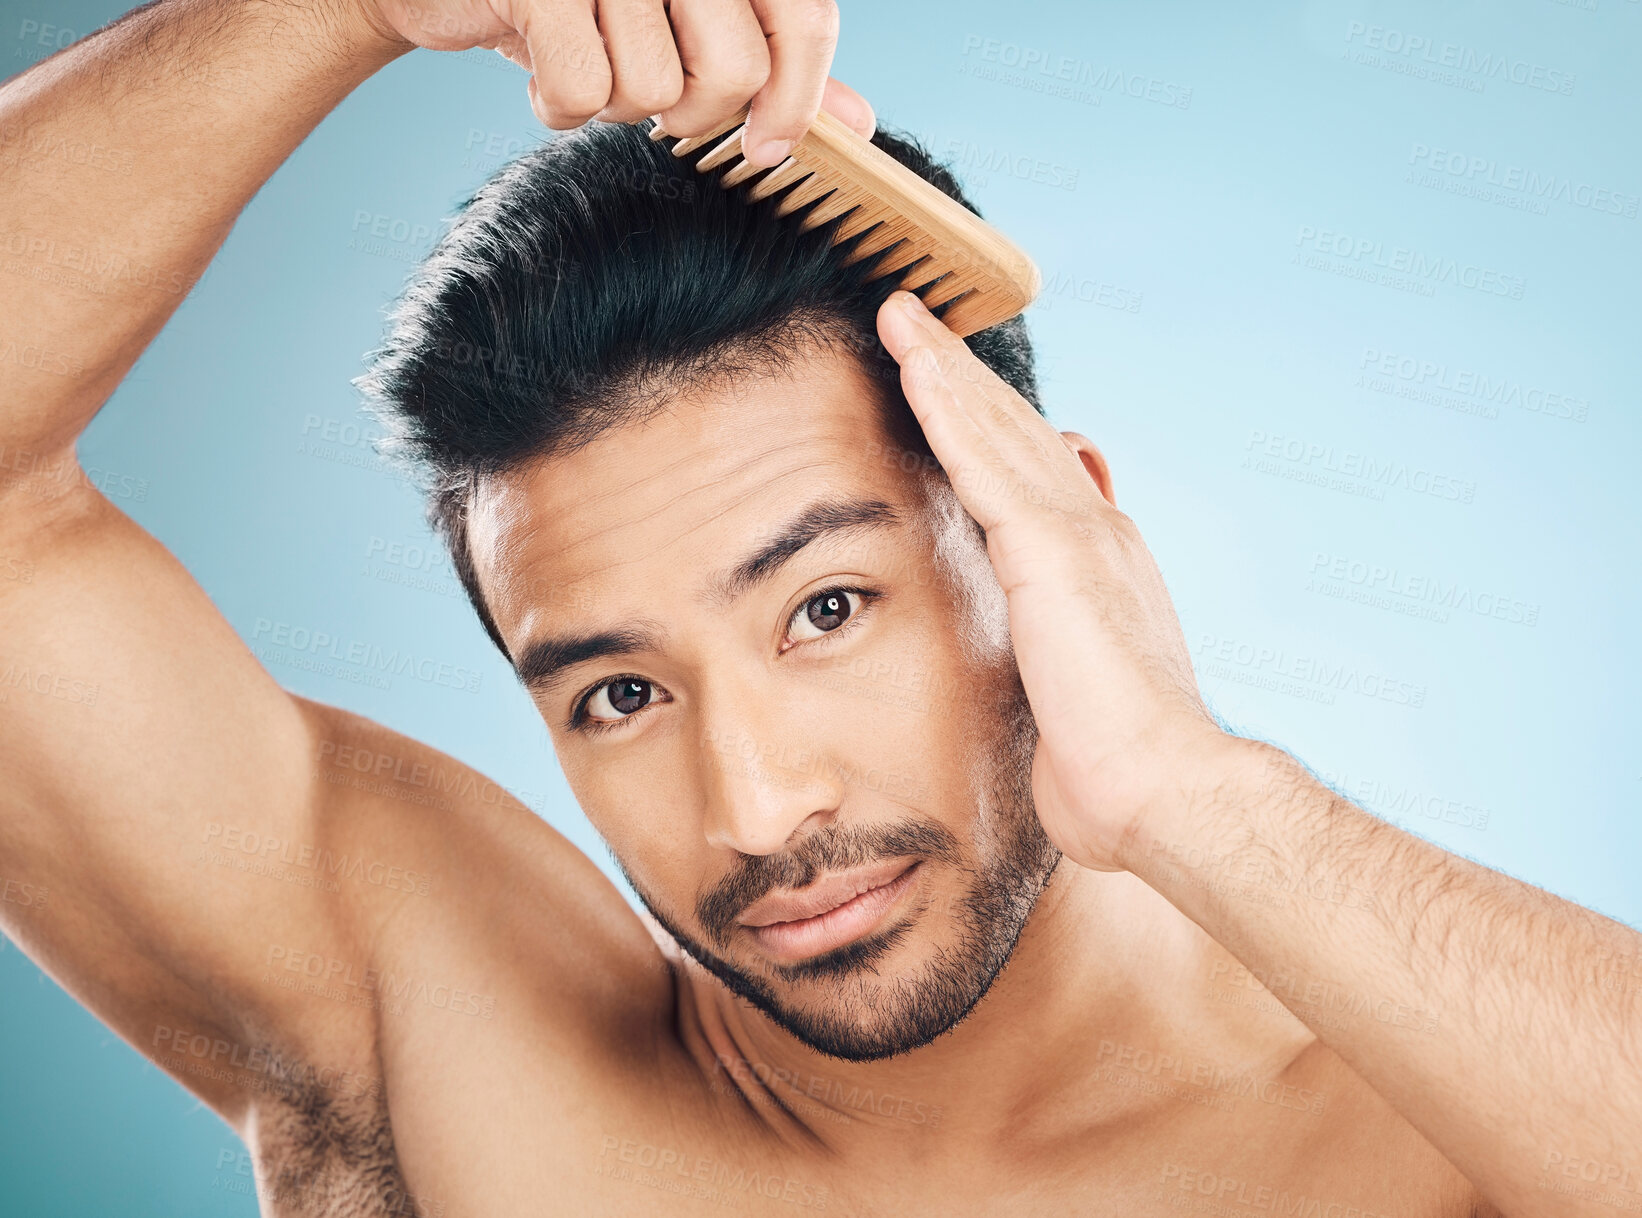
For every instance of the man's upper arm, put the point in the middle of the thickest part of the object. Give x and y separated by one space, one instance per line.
142 748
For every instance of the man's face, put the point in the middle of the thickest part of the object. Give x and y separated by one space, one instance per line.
776 668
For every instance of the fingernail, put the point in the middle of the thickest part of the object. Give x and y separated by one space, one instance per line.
770 152
913 306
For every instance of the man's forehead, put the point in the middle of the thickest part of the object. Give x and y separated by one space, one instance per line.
683 490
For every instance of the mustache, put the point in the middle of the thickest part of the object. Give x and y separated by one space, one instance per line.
834 848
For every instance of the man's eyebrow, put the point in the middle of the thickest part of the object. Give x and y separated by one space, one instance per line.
541 662
817 520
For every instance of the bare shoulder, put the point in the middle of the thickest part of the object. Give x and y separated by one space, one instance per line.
479 948
463 895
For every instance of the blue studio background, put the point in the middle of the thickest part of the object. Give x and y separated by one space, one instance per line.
1346 290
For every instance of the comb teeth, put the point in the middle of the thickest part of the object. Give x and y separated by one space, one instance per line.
690 143
889 216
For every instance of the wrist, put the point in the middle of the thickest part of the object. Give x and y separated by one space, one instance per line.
1216 793
355 32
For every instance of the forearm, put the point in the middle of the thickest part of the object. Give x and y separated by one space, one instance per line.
1481 1008
1474 1003
126 159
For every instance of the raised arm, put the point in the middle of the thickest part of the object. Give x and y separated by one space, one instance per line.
133 721
147 761
127 158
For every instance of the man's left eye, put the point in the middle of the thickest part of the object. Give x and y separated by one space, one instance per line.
823 613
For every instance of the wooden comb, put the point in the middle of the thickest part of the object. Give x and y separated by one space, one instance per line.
945 252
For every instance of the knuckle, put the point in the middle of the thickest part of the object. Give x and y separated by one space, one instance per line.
575 102
647 104
648 70
816 19
744 74
559 119
549 119
554 121
654 93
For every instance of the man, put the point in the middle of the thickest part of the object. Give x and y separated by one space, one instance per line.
867 683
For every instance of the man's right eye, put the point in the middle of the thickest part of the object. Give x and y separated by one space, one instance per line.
617 700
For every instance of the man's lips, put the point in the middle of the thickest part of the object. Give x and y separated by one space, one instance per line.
824 895
831 912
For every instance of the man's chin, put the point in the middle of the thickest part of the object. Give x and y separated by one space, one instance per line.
848 1019
878 1017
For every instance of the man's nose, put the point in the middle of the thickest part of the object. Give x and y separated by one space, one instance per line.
762 786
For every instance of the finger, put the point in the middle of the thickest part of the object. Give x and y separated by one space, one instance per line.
850 108
1000 454
570 74
725 62
644 63
513 46
802 35
982 393
955 438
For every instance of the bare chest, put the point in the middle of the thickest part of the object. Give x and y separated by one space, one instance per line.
524 1132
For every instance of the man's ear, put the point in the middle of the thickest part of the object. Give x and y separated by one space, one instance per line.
1094 462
